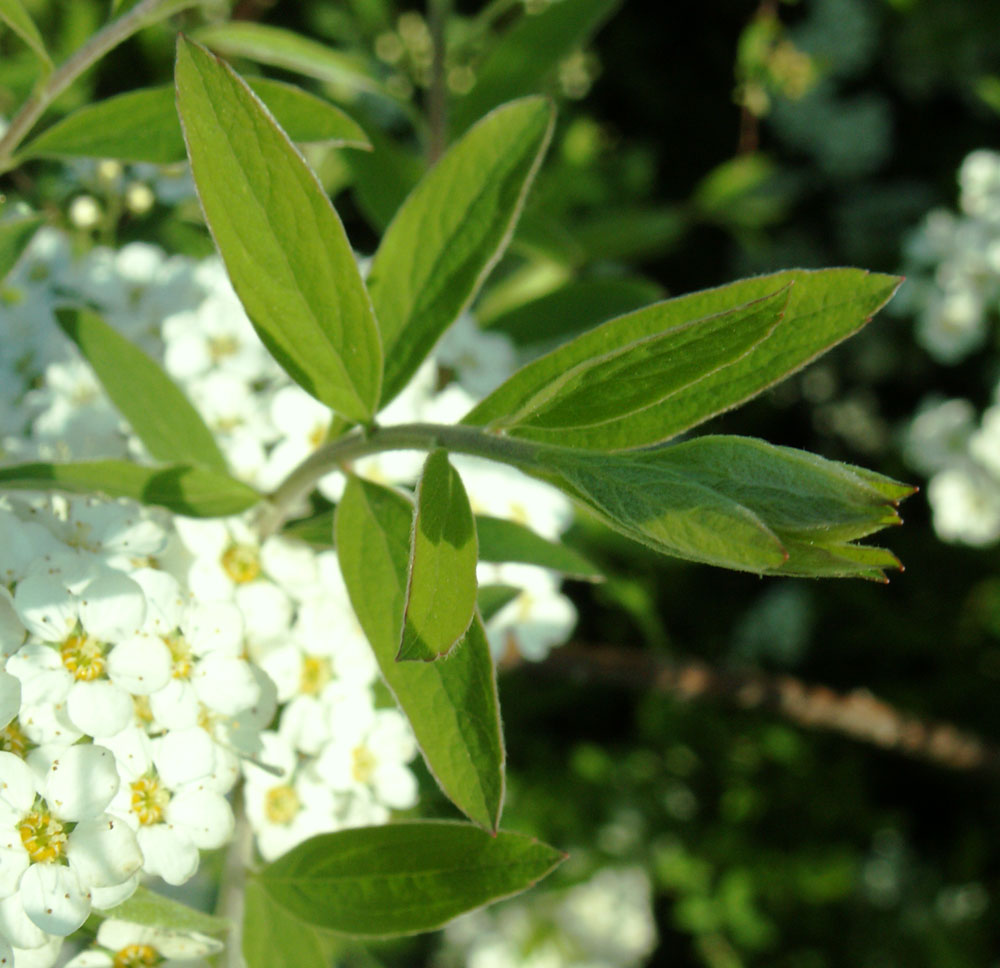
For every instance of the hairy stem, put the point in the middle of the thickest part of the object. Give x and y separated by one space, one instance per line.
374 440
230 904
92 51
437 94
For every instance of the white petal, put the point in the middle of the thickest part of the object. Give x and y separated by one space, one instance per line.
16 926
183 756
175 706
81 782
395 786
48 723
17 786
6 954
99 708
204 816
292 564
14 862
53 899
105 898
104 852
10 697
91 959
214 627
112 607
43 677
225 685
44 956
12 632
46 607
267 611
168 854
165 600
140 664
132 750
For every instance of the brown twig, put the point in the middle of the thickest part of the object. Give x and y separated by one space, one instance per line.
858 714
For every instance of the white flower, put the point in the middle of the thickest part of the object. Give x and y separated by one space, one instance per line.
124 943
966 506
50 868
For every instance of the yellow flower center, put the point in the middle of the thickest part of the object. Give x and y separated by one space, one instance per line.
84 657
241 563
44 838
12 739
149 800
142 709
281 804
222 346
136 955
180 652
363 764
317 435
316 673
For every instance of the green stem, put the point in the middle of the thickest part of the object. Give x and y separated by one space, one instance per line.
360 443
437 95
92 51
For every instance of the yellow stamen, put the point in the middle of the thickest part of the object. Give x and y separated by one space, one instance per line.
180 652
363 764
12 739
149 800
281 804
241 563
135 956
316 673
84 657
222 346
44 838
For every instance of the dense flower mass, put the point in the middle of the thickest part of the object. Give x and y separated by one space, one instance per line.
149 662
955 290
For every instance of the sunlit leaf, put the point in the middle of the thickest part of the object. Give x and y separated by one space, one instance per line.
282 242
452 703
143 125
403 878
159 413
450 232
440 597
15 15
502 540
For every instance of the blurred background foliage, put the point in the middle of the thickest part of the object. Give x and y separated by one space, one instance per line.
695 143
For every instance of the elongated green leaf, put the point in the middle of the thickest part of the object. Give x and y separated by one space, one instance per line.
440 597
739 503
452 703
153 910
824 307
502 540
573 308
620 386
528 54
14 14
162 417
283 244
404 877
143 125
450 232
492 598
273 938
286 49
316 530
15 236
194 491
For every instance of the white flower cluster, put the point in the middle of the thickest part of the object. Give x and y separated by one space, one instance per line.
953 265
605 922
148 662
956 296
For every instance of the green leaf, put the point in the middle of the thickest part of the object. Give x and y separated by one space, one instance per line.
162 417
273 938
452 703
403 878
528 54
738 503
573 308
194 491
14 14
290 51
156 911
492 598
143 125
450 232
824 307
502 540
15 236
632 234
283 244
612 394
440 597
